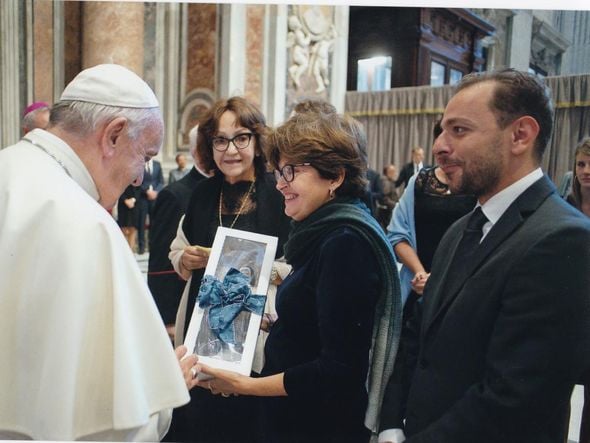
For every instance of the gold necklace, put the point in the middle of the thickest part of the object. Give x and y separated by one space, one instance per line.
244 200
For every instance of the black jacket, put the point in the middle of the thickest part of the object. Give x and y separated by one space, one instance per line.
500 349
164 283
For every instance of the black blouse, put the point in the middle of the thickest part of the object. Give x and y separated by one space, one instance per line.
321 342
435 210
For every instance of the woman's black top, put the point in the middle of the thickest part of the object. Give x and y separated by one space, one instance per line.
321 342
435 210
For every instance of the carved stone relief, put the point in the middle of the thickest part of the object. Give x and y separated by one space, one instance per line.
310 41
547 45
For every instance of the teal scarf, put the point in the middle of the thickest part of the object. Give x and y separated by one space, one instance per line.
387 325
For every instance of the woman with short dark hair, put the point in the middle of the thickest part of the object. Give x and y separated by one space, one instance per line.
339 309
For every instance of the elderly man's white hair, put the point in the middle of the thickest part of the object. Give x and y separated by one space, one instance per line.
84 118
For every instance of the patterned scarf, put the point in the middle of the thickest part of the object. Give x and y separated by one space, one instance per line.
387 326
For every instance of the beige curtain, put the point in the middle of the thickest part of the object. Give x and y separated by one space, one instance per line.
401 118
571 123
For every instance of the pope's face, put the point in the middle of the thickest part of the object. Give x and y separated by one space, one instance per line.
129 161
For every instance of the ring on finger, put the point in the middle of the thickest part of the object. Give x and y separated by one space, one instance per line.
223 394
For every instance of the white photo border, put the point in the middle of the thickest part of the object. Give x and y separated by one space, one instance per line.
244 366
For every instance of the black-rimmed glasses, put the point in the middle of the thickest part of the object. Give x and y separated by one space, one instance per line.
240 141
287 172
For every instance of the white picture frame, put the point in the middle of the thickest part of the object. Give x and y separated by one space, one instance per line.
250 253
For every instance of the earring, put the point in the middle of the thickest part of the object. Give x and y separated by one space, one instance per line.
331 193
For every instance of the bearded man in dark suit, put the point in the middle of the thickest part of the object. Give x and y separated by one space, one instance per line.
505 327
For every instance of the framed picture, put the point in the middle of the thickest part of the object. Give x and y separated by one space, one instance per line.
226 319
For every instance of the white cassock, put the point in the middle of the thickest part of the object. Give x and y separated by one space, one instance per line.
83 351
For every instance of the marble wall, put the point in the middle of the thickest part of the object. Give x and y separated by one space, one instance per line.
43 51
113 33
254 52
202 39
72 40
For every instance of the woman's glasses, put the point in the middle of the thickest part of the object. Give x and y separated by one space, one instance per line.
287 172
240 141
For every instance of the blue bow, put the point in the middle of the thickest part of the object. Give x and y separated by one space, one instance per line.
226 300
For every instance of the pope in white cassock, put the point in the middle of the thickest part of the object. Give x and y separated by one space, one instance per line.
83 351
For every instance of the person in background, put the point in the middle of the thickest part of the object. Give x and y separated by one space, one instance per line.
36 115
565 184
580 193
85 355
425 211
153 182
580 199
338 312
127 214
239 195
314 105
180 171
505 330
411 168
390 195
164 282
374 192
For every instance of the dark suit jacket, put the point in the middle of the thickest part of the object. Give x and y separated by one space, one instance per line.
155 179
166 286
374 191
500 351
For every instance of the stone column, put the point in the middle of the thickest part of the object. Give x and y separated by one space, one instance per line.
274 78
58 49
168 28
519 43
113 33
232 78
43 56
339 58
10 107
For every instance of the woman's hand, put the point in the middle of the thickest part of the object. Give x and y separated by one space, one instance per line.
129 202
223 382
267 321
188 366
195 257
419 281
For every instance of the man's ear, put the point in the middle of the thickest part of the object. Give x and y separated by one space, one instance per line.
110 138
524 134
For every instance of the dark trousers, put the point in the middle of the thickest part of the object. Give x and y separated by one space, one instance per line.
145 208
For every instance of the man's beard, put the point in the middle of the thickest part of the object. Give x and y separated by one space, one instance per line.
484 174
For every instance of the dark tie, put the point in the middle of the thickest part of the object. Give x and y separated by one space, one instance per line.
147 169
466 248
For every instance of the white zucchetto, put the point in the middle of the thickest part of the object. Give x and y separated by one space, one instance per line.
110 85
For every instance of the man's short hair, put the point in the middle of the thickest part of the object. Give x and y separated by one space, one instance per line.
314 105
515 95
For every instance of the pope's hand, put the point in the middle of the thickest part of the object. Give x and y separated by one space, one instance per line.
188 365
223 382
